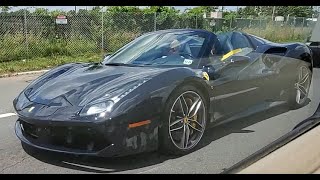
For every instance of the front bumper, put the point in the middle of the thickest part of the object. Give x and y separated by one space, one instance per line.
105 139
70 141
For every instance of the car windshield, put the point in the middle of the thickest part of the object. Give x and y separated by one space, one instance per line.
173 48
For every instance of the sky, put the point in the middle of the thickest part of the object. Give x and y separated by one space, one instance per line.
68 8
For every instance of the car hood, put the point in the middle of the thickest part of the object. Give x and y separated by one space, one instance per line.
80 84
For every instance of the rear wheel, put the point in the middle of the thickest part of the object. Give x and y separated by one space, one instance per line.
300 92
184 121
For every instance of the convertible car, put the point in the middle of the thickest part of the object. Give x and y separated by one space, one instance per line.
160 91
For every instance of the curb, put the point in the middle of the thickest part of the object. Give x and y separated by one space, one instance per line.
23 73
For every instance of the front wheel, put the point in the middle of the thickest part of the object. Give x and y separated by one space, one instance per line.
184 121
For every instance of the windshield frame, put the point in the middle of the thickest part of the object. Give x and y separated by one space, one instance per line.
204 50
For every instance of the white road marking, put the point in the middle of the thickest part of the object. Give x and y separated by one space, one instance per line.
7 115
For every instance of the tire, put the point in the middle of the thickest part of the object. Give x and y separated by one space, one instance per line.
175 126
297 98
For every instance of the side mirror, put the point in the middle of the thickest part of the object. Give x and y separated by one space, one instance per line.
106 57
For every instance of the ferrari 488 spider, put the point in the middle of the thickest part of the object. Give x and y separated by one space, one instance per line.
160 91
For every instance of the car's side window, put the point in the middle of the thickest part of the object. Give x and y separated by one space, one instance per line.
240 41
195 44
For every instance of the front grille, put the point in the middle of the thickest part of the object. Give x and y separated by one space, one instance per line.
73 137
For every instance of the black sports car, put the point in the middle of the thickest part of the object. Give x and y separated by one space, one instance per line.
161 90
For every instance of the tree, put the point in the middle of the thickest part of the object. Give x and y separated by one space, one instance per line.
208 9
5 8
116 9
297 11
56 13
258 11
41 11
195 11
229 15
201 10
160 9
248 11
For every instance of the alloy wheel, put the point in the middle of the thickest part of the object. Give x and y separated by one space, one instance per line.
302 86
187 120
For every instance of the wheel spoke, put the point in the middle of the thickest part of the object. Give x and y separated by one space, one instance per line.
192 120
195 128
197 107
177 128
193 106
304 79
183 137
182 109
175 122
187 136
298 97
300 75
186 110
302 89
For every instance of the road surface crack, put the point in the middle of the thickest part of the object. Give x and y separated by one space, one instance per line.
24 158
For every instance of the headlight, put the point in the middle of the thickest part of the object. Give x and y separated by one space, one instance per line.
98 108
21 101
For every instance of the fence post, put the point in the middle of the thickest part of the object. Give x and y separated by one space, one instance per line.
25 33
155 22
102 31
260 27
196 22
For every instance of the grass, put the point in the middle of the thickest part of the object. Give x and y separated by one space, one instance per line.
281 34
13 47
46 62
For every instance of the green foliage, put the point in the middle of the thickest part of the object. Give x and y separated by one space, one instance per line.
41 12
13 47
297 11
124 23
160 9
280 33
39 63
255 11
5 8
117 9
200 10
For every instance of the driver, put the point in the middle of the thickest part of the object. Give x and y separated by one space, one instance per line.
174 47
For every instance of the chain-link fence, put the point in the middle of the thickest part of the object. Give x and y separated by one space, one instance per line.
27 36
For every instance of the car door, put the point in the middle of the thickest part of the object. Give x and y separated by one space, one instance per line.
233 94
264 79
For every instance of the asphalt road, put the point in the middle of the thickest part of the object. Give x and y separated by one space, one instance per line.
221 147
